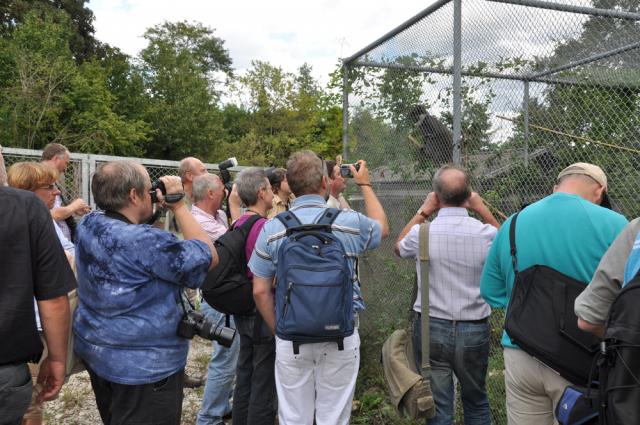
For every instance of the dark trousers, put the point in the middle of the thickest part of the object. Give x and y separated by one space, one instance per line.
159 403
254 399
15 393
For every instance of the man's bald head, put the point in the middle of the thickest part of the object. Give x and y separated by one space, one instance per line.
451 184
190 168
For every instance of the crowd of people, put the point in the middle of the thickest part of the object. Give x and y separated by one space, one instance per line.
137 276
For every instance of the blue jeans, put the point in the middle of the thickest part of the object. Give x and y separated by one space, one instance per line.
254 400
461 348
222 368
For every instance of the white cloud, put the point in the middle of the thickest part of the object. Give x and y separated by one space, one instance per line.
285 33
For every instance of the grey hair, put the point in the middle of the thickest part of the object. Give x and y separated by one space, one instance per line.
52 150
113 181
248 183
449 194
202 184
304 173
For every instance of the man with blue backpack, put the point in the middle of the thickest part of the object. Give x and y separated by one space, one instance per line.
310 252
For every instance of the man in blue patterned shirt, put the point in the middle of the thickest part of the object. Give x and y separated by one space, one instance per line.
130 277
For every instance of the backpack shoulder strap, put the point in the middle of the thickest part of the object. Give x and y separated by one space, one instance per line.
249 223
512 243
288 219
328 216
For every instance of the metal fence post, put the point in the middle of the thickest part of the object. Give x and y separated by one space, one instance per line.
85 188
87 183
345 111
525 111
457 80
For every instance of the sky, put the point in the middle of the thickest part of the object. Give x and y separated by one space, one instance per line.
285 33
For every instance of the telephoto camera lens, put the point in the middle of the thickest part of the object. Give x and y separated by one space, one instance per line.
222 334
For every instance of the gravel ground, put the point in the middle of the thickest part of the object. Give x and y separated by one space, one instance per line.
76 404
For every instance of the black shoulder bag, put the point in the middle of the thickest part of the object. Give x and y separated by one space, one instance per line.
541 320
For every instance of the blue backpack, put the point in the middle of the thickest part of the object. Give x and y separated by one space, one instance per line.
314 289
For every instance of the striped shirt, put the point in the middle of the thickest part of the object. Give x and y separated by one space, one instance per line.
214 226
458 248
357 233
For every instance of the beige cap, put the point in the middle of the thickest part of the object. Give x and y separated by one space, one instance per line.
586 169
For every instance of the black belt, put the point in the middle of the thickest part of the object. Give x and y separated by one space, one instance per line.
478 321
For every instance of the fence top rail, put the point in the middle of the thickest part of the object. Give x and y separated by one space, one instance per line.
524 77
593 11
539 4
106 158
397 30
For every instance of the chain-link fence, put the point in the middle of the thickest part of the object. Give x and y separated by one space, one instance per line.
514 90
76 180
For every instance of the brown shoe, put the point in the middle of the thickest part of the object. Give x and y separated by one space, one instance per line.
191 382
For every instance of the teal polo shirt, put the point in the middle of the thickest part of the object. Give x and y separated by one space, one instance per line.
562 231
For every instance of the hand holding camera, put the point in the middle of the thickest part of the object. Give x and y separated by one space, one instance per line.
345 170
360 173
167 191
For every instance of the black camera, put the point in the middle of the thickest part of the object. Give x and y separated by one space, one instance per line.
194 323
171 198
225 176
345 171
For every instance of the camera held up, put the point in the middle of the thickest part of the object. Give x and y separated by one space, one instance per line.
225 176
170 198
345 171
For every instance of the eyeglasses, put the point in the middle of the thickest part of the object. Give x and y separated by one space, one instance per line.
50 188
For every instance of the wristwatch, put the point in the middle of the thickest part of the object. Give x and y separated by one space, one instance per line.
423 214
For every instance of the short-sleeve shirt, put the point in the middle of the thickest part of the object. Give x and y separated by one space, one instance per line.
215 226
357 232
129 282
458 248
32 263
562 231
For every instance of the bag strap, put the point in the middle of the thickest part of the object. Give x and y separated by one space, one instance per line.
512 243
328 216
247 225
423 239
288 219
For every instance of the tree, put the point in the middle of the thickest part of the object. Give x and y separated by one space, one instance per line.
92 125
46 97
181 67
38 67
289 112
79 18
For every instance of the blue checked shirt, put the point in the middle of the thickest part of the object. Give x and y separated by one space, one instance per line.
129 280
357 233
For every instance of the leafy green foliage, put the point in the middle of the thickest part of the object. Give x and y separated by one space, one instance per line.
57 83
80 38
47 97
